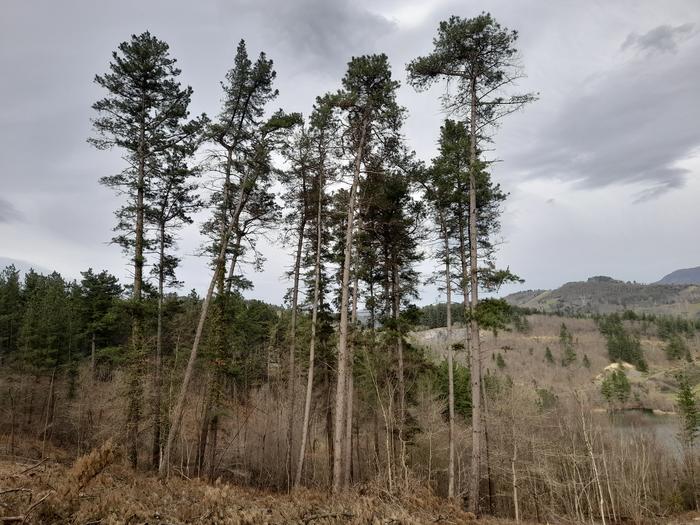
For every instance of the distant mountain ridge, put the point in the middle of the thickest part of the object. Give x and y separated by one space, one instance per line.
602 295
683 276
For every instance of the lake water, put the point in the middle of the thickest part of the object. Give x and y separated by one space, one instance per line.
663 427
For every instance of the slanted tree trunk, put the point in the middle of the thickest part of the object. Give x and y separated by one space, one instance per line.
219 267
341 384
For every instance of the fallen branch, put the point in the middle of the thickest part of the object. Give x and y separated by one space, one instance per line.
35 505
33 466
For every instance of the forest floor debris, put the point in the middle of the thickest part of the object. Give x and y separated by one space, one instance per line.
95 490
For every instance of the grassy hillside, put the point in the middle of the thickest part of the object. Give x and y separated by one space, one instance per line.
524 357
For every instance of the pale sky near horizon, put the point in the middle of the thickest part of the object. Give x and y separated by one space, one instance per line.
602 170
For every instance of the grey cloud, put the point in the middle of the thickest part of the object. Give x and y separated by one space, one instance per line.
674 180
664 38
8 212
631 125
319 34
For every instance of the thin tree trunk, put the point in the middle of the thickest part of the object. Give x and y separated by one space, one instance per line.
219 268
450 366
180 404
341 384
348 430
93 358
350 381
134 391
400 363
204 428
212 449
329 427
47 419
291 391
515 482
11 395
158 366
234 261
474 323
312 344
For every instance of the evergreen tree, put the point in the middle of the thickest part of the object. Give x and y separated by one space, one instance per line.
247 141
370 118
586 361
566 343
479 56
500 362
677 348
11 310
548 356
144 114
616 387
45 335
689 410
446 190
622 345
99 296
461 386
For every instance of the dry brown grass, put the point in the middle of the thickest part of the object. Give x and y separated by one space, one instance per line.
524 354
95 491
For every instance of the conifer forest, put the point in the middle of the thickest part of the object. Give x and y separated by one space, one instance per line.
395 380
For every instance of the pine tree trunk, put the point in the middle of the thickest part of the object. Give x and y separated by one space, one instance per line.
158 365
48 418
341 381
396 285
474 323
348 426
291 390
134 389
350 381
312 344
450 366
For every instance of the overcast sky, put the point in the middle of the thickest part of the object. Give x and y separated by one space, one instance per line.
602 170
